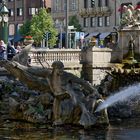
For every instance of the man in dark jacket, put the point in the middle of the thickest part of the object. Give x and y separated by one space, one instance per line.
11 51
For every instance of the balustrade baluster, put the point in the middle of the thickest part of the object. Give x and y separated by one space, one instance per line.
50 56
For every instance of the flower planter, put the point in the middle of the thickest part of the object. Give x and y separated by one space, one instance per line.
27 42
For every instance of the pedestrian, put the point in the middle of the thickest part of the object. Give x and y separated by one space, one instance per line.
11 51
18 47
2 49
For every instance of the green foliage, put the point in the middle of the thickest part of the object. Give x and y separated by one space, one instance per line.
25 29
75 22
38 26
42 23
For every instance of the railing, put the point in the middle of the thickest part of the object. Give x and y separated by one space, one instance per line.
96 11
83 12
69 56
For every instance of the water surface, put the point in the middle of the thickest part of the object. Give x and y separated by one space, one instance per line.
125 130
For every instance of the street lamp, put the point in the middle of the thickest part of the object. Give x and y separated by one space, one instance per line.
4 22
67 20
43 3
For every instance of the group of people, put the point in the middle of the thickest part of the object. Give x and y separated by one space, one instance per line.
9 50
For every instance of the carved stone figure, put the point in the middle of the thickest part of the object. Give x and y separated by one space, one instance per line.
130 16
74 98
136 16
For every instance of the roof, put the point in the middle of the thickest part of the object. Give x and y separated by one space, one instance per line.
94 34
104 35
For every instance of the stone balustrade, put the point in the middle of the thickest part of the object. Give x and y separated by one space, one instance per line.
96 11
92 61
70 57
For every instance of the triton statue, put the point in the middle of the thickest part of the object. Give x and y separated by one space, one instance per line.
75 100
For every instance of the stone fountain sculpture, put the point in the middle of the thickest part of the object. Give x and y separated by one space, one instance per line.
73 100
126 72
130 16
129 34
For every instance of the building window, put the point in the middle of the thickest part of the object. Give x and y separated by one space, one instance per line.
11 29
106 3
100 21
85 3
19 26
85 22
56 8
92 21
64 5
33 11
11 12
19 12
73 5
64 22
99 3
107 21
92 3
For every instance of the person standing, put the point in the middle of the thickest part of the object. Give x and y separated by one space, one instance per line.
18 47
11 51
2 49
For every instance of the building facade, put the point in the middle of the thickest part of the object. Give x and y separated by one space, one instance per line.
95 16
58 11
21 11
101 15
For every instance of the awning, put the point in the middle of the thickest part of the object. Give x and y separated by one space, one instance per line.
104 35
18 38
86 34
10 38
93 34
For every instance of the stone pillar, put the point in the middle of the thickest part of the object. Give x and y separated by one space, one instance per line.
96 62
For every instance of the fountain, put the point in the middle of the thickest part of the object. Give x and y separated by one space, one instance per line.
130 62
57 97
63 98
121 96
123 103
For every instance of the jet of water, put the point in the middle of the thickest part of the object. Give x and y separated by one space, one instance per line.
122 95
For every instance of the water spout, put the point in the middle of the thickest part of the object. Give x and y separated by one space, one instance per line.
122 95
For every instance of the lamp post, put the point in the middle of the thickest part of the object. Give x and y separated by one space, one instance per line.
67 20
115 13
4 22
43 3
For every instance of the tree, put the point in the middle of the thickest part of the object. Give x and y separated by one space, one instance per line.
41 24
25 28
75 22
